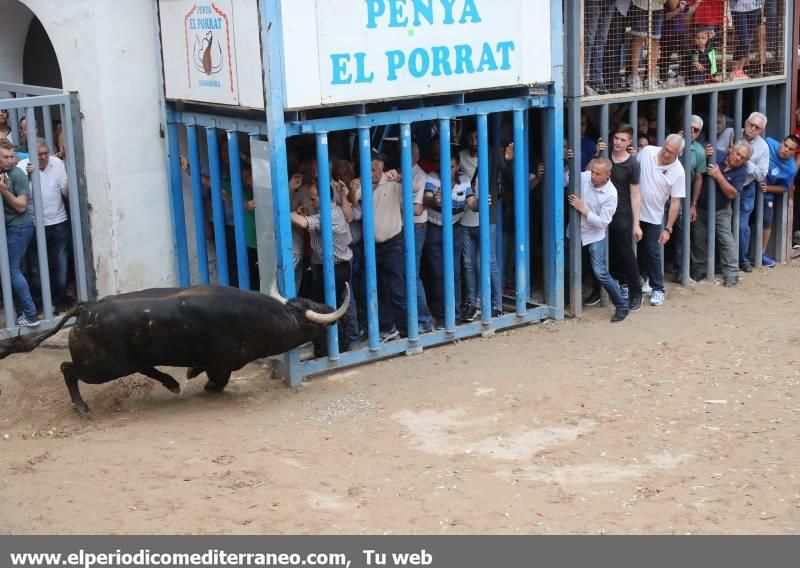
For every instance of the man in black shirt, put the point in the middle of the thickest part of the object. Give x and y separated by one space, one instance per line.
624 229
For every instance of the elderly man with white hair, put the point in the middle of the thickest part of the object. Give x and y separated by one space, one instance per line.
757 169
662 178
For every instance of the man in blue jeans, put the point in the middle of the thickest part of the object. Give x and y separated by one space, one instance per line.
597 206
14 189
757 168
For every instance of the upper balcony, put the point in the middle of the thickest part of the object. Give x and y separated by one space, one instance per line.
634 47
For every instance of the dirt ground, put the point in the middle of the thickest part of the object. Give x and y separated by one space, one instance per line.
682 419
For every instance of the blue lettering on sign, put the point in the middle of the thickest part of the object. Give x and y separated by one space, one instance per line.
205 23
420 62
209 83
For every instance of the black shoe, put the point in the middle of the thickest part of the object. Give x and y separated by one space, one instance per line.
635 303
747 268
699 276
677 278
592 300
497 313
619 315
730 281
469 314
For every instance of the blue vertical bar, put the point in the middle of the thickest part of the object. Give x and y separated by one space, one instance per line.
326 227
497 142
368 231
447 226
408 239
176 197
519 212
484 188
554 211
197 203
242 265
527 169
217 206
710 195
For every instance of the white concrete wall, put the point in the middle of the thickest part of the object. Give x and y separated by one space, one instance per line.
108 52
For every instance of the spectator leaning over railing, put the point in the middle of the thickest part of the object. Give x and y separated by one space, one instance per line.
782 170
728 171
15 189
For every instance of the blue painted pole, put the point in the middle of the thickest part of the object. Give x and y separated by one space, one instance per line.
484 189
237 189
178 212
217 206
197 202
447 226
554 212
368 231
519 212
527 169
408 239
496 142
326 226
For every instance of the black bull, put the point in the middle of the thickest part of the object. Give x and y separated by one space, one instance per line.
208 329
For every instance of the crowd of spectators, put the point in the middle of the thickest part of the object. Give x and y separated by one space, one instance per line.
17 166
634 45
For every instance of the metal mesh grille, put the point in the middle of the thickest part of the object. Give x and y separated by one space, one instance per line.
650 45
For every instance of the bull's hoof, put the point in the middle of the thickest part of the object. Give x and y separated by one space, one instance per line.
81 407
214 387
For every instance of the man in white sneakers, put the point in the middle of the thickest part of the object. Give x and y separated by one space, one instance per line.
662 178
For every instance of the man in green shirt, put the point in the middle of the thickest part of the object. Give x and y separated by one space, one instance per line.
14 189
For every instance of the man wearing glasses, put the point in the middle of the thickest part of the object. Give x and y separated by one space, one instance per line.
757 168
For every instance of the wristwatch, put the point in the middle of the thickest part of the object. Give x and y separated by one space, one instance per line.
668 229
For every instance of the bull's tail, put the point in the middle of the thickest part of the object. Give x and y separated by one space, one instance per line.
29 342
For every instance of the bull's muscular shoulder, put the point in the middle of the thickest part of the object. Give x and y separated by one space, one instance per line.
212 296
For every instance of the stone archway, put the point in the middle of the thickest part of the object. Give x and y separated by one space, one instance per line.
39 60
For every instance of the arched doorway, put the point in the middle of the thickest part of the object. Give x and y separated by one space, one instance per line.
39 61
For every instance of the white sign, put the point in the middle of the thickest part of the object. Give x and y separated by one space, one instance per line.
345 51
211 51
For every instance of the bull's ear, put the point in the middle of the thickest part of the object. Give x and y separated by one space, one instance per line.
275 293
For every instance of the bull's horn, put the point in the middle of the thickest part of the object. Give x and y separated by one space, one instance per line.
326 319
275 293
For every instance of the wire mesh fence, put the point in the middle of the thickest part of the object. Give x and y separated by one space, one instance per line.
650 45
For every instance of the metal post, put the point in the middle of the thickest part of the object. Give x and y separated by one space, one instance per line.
76 196
368 238
737 202
237 189
711 194
5 281
520 183
38 215
496 142
758 244
409 240
47 118
633 119
526 168
447 226
326 229
661 121
217 206
686 225
554 201
197 203
484 189
178 212
573 72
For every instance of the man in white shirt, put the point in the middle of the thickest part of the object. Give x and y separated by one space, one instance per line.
597 206
53 177
662 178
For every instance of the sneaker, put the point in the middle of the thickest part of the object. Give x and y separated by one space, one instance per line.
589 91
796 245
677 277
747 268
636 84
387 336
646 289
730 281
469 313
24 321
657 298
425 328
653 84
623 289
619 315
497 313
635 303
767 261
592 300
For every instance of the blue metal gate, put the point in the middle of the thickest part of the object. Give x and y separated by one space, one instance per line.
545 101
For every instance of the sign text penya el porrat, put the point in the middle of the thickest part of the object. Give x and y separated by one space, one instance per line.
419 62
